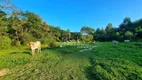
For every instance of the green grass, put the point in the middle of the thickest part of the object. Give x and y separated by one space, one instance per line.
105 62
117 62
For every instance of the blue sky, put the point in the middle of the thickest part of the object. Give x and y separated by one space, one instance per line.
73 14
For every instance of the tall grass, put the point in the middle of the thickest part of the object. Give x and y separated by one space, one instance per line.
117 62
107 61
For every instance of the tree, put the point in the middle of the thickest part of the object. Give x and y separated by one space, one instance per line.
126 25
103 31
6 4
76 35
68 34
97 34
87 30
109 28
87 38
3 24
118 36
2 14
98 31
128 35
127 20
139 33
110 32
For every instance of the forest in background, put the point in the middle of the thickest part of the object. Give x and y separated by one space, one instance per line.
102 60
20 27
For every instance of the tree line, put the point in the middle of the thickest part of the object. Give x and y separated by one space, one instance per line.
21 27
127 30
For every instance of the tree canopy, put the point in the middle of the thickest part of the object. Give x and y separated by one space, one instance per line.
21 27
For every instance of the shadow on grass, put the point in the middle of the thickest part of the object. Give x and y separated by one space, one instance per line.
89 73
44 48
88 70
24 52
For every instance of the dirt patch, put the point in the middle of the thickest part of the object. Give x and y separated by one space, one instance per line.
3 72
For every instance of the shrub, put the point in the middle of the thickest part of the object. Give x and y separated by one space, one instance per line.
5 42
27 38
50 41
52 44
73 40
18 43
87 38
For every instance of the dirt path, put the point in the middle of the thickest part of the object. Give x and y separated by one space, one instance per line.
3 72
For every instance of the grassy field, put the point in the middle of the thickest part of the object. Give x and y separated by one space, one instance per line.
106 61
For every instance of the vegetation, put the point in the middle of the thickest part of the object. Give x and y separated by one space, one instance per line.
20 27
106 61
71 61
119 62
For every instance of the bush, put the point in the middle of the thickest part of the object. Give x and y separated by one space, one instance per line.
52 44
87 38
27 38
5 42
50 41
73 40
18 43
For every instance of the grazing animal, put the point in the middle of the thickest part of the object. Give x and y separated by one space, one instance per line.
126 40
115 42
34 46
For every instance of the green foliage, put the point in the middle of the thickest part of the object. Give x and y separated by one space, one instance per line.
107 61
73 41
75 35
118 69
5 42
3 24
126 30
87 38
18 43
104 62
87 30
139 33
53 63
27 38
109 28
30 27
2 13
117 62
51 42
117 34
127 20
128 35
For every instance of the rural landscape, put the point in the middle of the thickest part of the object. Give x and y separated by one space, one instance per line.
33 49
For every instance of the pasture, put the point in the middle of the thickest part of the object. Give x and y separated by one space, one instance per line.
106 61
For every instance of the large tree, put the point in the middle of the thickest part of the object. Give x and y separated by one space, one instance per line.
87 30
